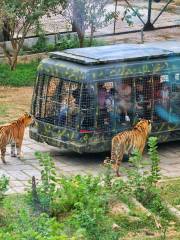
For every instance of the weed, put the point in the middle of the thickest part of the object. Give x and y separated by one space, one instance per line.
4 182
46 189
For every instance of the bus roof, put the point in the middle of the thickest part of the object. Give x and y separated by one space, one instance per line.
119 52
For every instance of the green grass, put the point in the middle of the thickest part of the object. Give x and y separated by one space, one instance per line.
3 110
170 191
23 75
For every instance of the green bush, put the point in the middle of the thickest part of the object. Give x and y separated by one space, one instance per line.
41 44
142 184
21 223
64 42
79 207
23 75
4 182
42 195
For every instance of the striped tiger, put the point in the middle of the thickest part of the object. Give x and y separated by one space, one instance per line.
13 134
126 142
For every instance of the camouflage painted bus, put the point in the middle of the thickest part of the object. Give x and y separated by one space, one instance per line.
83 97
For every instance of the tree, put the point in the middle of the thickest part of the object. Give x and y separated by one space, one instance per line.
17 17
87 14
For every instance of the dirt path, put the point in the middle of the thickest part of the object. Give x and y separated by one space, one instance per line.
13 102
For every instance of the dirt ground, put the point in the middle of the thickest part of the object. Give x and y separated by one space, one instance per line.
13 102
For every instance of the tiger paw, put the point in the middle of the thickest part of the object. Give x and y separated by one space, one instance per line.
3 160
107 160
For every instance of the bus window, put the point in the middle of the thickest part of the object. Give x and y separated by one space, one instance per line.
87 108
105 105
175 100
68 104
124 102
143 97
162 92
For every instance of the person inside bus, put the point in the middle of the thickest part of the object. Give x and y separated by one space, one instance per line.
140 100
67 110
144 97
106 104
109 105
123 101
165 95
87 107
175 100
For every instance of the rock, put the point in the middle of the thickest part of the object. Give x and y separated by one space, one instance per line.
119 209
115 226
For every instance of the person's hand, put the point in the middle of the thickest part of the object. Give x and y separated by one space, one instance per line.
127 118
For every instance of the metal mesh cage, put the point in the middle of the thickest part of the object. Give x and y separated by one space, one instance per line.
64 103
107 106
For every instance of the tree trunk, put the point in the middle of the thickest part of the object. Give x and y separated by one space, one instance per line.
81 38
5 30
91 36
78 20
18 45
14 62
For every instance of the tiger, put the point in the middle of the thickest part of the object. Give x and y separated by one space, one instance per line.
13 134
126 142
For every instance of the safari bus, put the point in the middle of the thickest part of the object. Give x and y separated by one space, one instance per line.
83 97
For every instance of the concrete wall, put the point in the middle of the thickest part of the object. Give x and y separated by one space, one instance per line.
27 58
29 42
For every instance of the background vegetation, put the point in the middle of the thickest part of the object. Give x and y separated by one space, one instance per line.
89 208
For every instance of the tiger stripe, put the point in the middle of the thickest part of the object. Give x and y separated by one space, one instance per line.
126 142
13 133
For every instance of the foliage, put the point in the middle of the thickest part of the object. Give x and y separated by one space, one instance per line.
169 190
142 184
4 182
154 157
45 190
129 14
24 75
79 207
64 42
86 200
40 45
21 223
17 17
84 14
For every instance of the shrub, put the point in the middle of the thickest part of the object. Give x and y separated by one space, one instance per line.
41 44
21 223
82 203
4 182
64 42
42 195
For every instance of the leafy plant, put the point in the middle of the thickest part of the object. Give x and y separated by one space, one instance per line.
67 41
129 14
46 189
41 44
4 182
84 14
154 157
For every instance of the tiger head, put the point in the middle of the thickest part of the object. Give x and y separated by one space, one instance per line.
27 119
144 125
